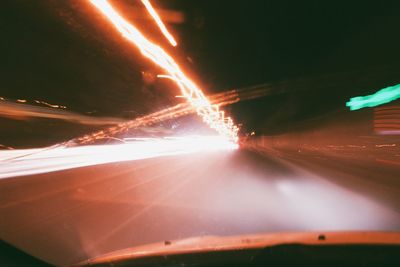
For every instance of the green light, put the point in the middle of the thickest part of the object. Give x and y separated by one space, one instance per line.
383 96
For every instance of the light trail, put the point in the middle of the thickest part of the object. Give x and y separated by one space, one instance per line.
159 22
383 96
174 112
210 113
19 111
23 111
20 162
49 105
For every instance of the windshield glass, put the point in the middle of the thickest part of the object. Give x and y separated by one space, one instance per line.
126 123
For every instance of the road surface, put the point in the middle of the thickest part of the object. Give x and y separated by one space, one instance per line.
67 216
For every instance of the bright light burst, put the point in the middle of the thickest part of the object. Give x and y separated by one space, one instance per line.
159 22
19 162
210 113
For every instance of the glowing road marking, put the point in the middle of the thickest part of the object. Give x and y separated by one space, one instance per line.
159 22
383 96
210 113
19 162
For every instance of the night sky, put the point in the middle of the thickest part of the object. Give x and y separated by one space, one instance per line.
322 51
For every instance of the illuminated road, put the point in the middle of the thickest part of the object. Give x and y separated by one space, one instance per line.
67 216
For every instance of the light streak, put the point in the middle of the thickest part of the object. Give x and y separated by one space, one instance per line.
5 147
26 111
36 101
174 112
20 162
210 113
49 105
383 96
159 22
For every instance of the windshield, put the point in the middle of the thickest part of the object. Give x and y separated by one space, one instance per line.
127 123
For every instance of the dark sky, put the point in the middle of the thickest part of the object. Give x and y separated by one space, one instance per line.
250 42
322 51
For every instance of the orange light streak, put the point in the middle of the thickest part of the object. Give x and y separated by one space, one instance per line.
209 112
159 22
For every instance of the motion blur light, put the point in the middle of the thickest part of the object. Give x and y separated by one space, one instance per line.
383 96
159 22
210 113
20 162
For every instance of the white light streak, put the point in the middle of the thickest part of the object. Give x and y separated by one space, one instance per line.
20 162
